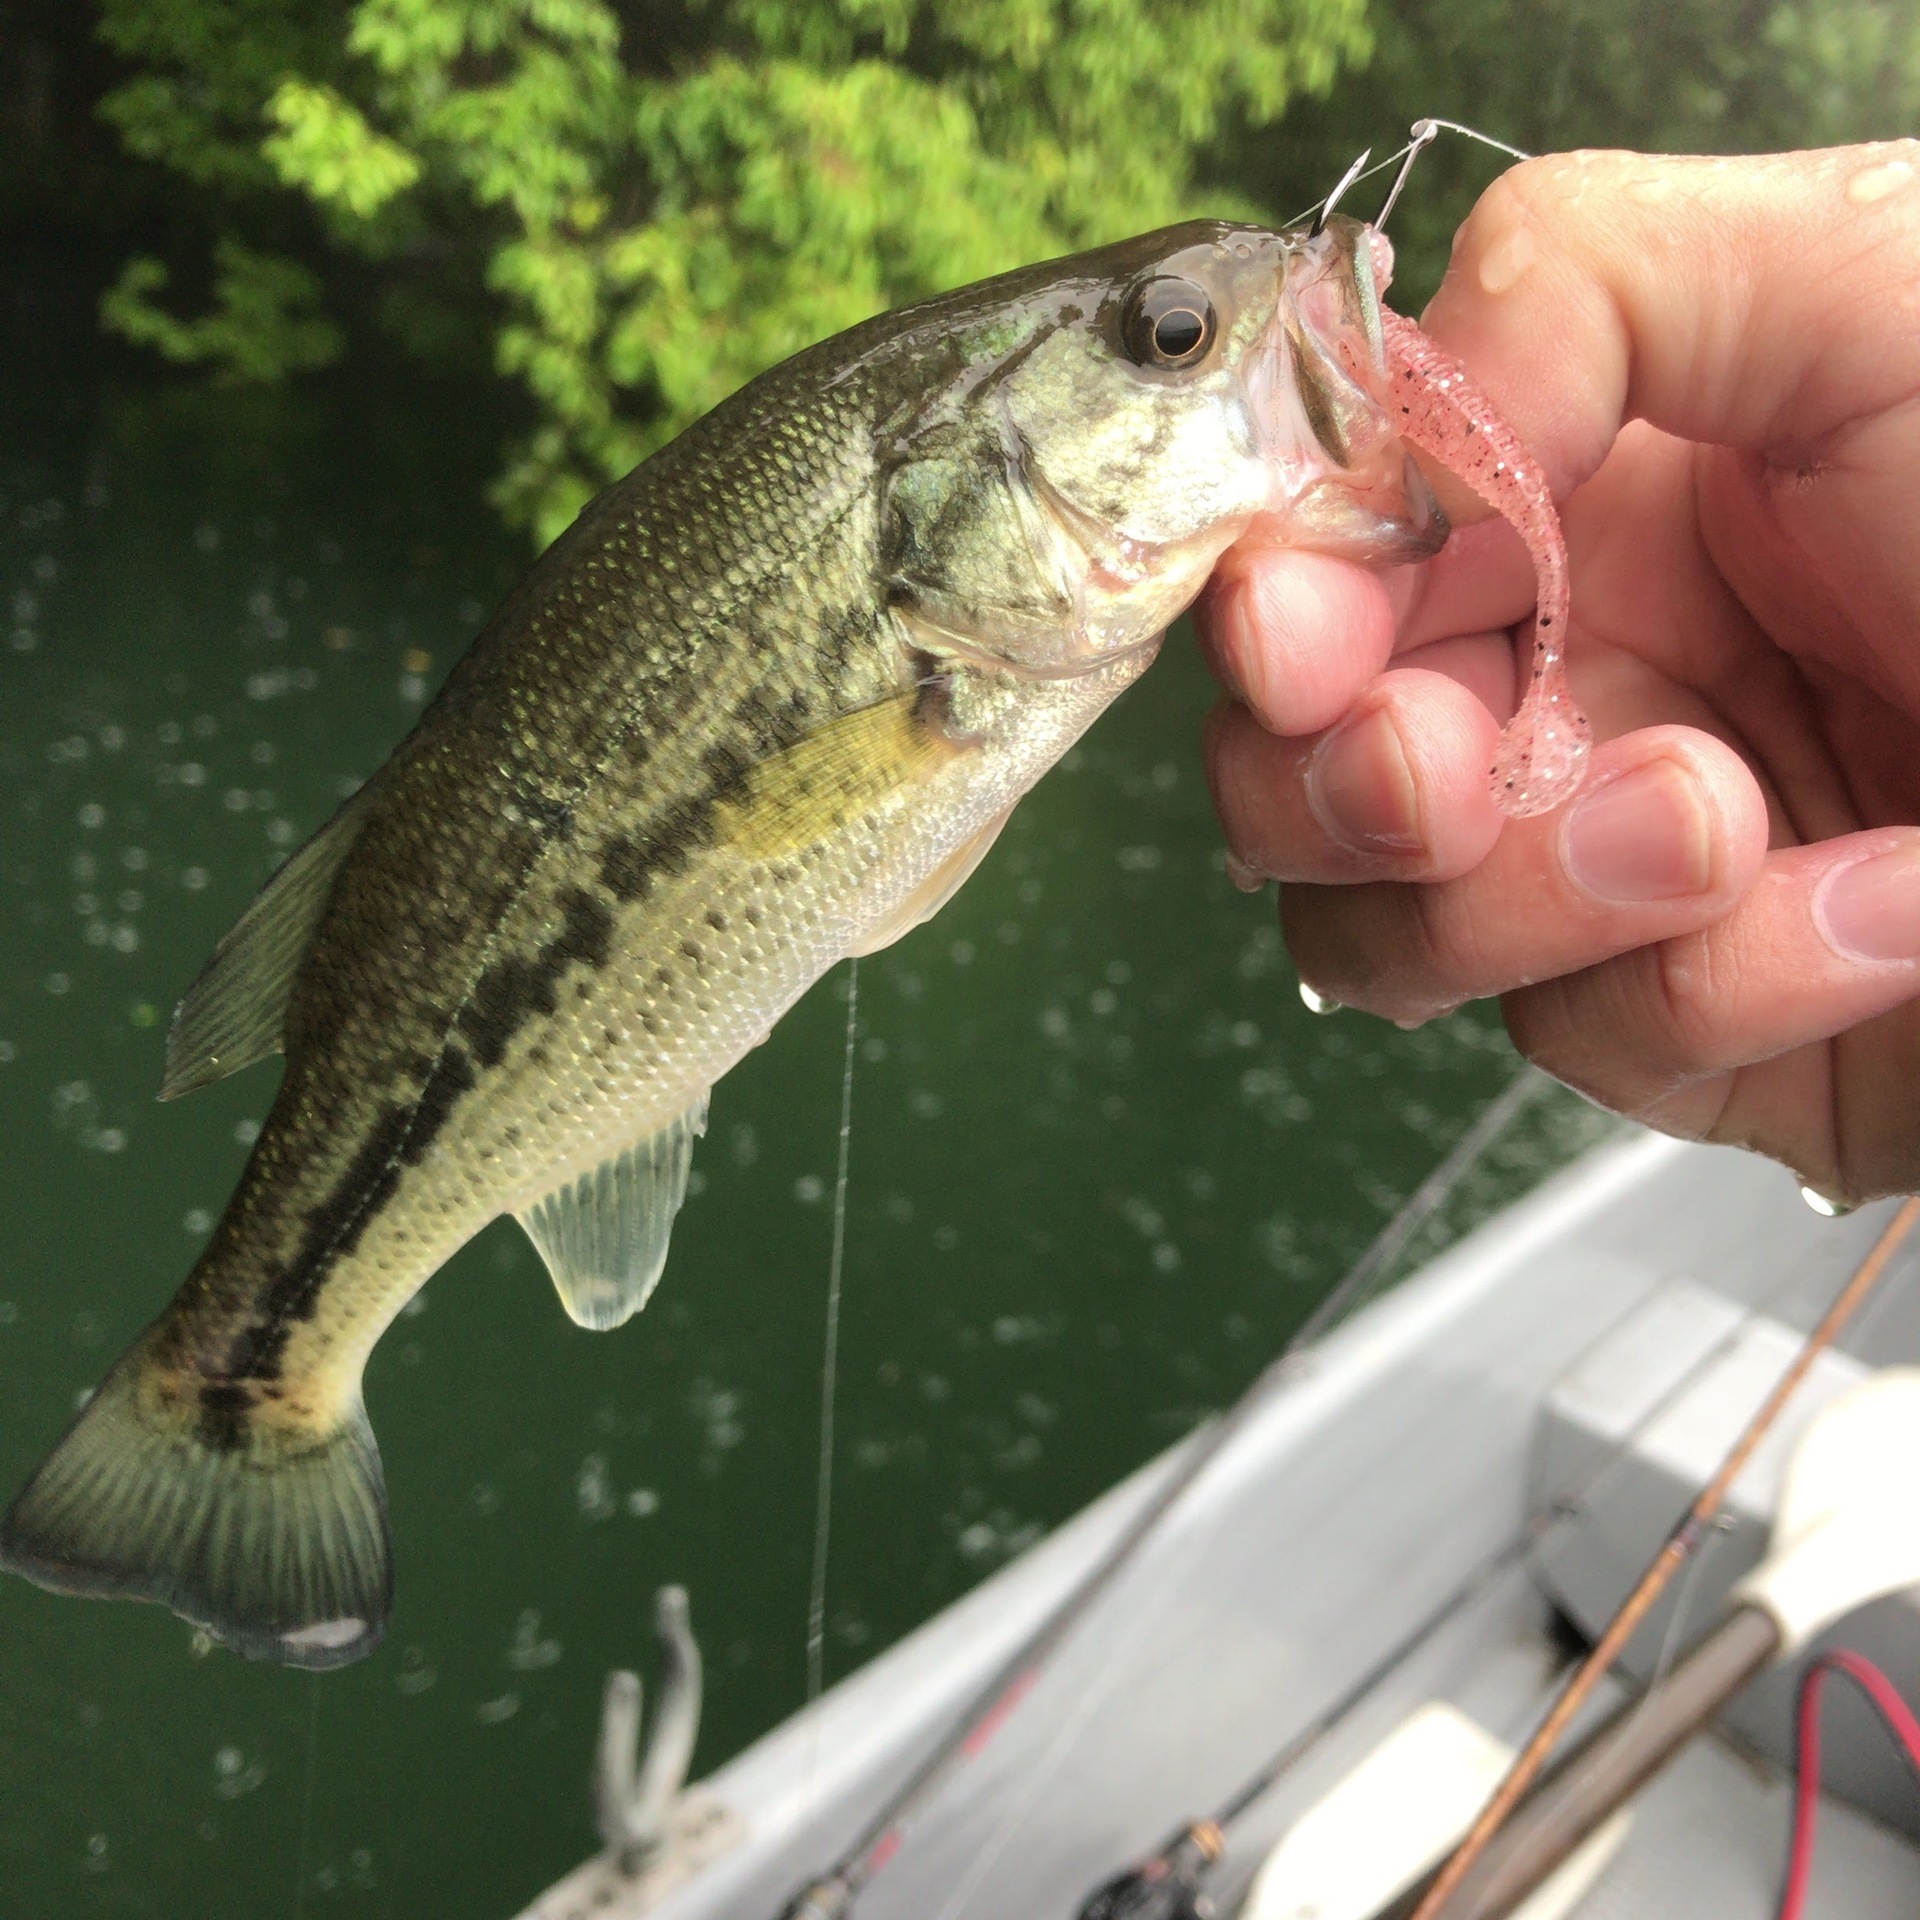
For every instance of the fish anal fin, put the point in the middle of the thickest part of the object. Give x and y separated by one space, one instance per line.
934 891
235 1012
604 1235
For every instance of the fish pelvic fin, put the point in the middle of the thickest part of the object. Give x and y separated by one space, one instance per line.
273 1540
235 1013
604 1235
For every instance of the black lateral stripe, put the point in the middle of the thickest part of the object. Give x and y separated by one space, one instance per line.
224 1406
762 724
399 1138
517 986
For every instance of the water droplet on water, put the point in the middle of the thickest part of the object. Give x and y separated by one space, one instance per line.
591 1492
1315 1001
234 1774
415 1675
530 1649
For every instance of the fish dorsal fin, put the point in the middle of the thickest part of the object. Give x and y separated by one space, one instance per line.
604 1235
234 1013
935 890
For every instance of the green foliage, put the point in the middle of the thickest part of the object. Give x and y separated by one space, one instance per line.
264 323
659 201
1699 76
325 147
204 71
631 206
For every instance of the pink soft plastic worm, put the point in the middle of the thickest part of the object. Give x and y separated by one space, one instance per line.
1441 410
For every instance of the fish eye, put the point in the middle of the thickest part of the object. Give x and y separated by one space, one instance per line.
1168 323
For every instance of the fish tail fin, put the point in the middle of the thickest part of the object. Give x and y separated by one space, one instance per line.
273 1539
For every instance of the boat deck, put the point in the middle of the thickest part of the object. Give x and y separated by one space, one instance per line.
1385 1500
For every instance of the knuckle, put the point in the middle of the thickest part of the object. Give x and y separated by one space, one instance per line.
1636 1033
1369 947
1689 994
1450 949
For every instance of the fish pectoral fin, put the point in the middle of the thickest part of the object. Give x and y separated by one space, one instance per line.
845 768
234 1013
934 891
604 1235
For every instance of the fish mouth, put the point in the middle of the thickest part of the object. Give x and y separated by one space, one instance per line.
1342 480
1359 518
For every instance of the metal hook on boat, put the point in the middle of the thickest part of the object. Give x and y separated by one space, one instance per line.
634 1790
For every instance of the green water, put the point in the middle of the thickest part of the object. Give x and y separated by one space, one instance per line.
1102 1161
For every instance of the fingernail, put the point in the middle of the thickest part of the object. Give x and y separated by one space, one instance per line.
1360 786
1870 909
1645 836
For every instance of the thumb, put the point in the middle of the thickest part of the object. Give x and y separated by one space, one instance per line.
1762 304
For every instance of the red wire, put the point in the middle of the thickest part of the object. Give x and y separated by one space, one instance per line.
1900 1722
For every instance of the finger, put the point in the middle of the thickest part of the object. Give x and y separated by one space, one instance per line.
1482 578
1589 289
1482 663
1593 288
1295 635
1669 832
1829 938
1397 790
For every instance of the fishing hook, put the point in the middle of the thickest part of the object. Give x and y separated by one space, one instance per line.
1333 199
1425 132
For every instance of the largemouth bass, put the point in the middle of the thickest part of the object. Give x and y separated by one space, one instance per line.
765 705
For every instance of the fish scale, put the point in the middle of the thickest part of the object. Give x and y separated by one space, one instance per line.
764 705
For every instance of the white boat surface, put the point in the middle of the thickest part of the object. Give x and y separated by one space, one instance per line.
1469 1474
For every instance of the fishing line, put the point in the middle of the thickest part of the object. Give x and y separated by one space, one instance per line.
830 1363
833 1892
1677 1620
306 1797
1425 132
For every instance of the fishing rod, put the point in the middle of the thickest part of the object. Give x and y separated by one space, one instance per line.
1678 1549
1847 1530
1831 1553
831 1894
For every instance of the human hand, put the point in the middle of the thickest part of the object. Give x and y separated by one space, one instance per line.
1718 364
